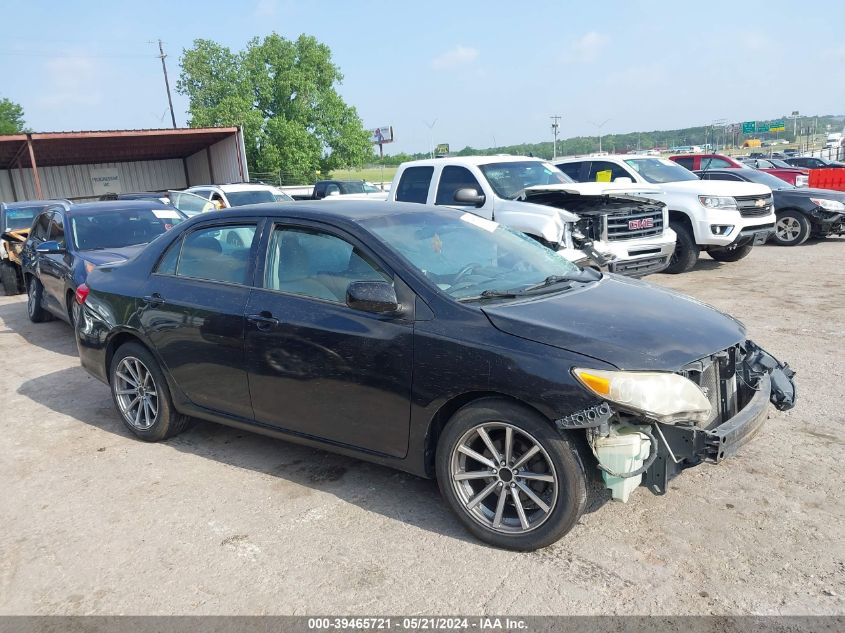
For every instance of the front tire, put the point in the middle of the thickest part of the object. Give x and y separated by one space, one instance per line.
729 254
791 228
686 251
35 296
140 393
509 476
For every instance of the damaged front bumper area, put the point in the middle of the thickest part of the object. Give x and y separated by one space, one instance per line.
740 382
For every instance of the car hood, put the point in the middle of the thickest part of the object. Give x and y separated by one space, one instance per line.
631 324
716 188
806 192
111 255
596 188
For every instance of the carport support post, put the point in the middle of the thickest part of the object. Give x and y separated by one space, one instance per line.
34 167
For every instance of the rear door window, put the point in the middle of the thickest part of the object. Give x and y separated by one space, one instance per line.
413 185
453 178
685 161
713 163
217 253
573 170
605 171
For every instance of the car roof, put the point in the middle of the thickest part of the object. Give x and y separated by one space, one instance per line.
353 211
720 170
116 206
606 157
236 186
34 203
475 160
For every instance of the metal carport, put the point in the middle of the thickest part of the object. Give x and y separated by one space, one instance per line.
78 165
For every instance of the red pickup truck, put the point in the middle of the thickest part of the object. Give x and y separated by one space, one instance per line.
793 175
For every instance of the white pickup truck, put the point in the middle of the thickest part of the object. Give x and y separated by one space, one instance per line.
726 219
606 224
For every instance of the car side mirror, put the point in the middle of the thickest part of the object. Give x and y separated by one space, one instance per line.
50 247
377 297
470 196
624 180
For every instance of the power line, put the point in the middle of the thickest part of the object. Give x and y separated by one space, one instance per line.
65 54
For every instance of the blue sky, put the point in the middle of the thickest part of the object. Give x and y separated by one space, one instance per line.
488 72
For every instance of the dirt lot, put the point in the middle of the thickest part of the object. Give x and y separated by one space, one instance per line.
221 521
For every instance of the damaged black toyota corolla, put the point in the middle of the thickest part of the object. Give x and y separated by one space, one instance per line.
432 341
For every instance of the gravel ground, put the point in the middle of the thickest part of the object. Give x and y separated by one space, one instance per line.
218 521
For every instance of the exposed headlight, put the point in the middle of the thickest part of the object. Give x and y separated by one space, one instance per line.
662 396
718 202
801 180
828 205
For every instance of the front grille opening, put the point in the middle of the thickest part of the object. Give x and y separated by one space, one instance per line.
720 377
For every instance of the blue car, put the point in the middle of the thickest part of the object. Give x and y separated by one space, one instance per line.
67 241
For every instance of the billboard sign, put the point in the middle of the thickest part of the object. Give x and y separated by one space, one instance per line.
442 149
105 180
381 135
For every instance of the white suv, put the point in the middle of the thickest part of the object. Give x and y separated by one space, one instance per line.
723 218
239 194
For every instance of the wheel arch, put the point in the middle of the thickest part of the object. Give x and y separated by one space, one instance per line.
116 342
684 218
447 410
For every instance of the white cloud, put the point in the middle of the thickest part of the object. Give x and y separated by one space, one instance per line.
266 8
72 81
458 56
755 42
586 49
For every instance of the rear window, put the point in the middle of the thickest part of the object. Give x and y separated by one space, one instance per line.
121 227
240 198
20 217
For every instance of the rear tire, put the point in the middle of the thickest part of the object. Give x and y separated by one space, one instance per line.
141 395
791 228
519 506
9 279
686 250
728 254
35 297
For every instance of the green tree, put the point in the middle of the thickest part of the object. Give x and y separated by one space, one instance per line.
284 94
11 117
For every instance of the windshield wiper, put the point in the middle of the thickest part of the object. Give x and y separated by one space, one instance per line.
552 280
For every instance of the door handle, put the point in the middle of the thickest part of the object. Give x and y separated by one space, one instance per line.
154 300
263 320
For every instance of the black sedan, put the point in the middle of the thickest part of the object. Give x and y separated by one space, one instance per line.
432 341
67 242
814 162
801 212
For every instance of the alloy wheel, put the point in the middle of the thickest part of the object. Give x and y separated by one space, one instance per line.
787 229
136 393
504 478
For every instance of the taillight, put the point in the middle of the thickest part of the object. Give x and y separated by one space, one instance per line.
82 293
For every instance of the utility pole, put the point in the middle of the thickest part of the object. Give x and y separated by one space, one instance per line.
166 82
555 128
